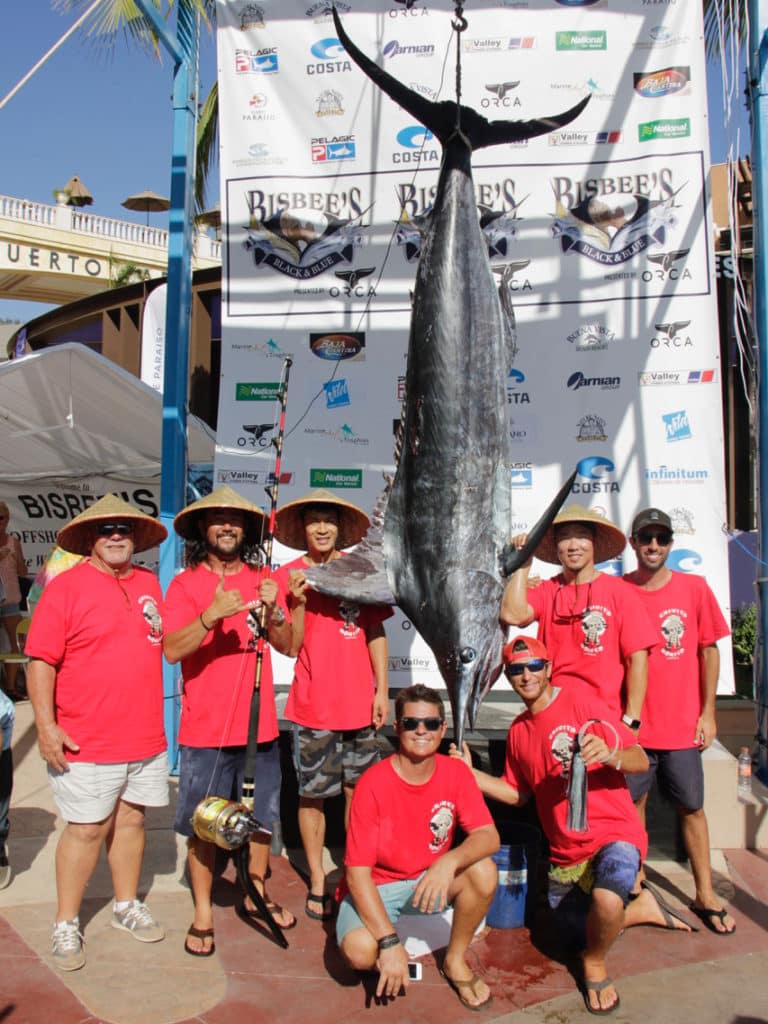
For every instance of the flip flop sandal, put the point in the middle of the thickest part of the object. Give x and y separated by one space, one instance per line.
324 900
707 916
255 915
667 912
458 986
200 933
599 986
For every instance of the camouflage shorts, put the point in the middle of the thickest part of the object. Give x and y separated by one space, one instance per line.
326 760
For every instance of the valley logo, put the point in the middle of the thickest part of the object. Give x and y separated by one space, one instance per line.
613 227
302 243
591 428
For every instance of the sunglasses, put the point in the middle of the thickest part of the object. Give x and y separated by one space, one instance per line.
430 724
110 529
646 536
535 665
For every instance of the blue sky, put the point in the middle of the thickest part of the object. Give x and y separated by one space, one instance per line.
107 118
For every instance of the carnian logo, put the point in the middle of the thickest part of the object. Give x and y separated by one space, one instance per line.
578 380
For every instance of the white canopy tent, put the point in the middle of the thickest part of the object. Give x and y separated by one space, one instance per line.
68 413
74 426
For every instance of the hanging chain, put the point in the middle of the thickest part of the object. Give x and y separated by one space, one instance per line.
458 24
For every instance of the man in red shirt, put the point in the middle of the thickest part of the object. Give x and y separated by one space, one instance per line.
95 682
592 623
592 872
339 697
400 859
211 623
679 712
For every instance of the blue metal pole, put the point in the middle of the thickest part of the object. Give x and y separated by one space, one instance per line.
179 297
758 98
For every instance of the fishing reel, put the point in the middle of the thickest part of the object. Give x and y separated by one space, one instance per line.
225 823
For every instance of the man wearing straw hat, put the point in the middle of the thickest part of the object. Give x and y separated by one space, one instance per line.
212 613
339 697
594 860
593 624
95 682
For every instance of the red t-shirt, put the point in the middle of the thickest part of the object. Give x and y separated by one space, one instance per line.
589 630
103 636
218 677
333 681
399 829
538 749
686 617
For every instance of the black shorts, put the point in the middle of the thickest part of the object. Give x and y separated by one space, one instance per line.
680 776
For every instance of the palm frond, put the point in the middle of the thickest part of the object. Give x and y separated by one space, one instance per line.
207 144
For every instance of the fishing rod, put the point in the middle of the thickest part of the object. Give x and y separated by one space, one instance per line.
224 822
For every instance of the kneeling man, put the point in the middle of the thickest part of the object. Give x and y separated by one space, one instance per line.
592 872
399 855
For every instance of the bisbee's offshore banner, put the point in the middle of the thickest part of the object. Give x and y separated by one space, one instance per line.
600 235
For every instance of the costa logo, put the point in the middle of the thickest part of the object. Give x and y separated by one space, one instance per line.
595 467
414 136
337 346
327 49
684 560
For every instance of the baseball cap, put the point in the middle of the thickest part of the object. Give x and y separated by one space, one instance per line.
523 648
651 517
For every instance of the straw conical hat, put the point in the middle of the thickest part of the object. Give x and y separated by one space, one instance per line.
77 536
289 522
186 521
609 539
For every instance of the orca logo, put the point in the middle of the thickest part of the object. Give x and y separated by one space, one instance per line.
328 49
414 136
595 467
684 560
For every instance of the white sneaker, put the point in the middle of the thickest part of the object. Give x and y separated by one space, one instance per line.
137 920
68 945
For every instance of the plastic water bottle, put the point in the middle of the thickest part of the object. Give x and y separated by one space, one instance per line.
744 789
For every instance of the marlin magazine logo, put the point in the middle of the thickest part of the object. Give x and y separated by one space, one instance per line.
665 82
344 434
336 478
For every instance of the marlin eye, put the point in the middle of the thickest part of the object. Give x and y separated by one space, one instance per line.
467 654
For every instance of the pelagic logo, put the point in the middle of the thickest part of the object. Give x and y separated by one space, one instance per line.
336 478
596 40
265 391
664 128
257 62
665 82
339 147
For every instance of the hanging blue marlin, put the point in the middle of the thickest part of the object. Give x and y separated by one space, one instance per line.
444 532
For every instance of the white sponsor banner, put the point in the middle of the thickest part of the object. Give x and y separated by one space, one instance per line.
153 338
600 233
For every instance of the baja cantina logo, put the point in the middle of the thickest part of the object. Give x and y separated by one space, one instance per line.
668 81
338 346
600 218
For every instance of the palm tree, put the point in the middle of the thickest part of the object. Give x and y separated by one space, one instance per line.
113 18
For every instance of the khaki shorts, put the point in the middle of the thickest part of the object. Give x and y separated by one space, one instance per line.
88 792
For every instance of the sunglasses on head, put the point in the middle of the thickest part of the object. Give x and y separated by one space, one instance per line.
110 529
409 724
662 537
535 665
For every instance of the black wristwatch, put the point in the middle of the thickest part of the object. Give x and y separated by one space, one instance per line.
632 723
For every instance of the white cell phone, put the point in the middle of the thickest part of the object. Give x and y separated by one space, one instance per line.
414 970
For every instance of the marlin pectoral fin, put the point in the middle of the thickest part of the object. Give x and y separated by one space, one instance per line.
441 117
510 558
360 577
